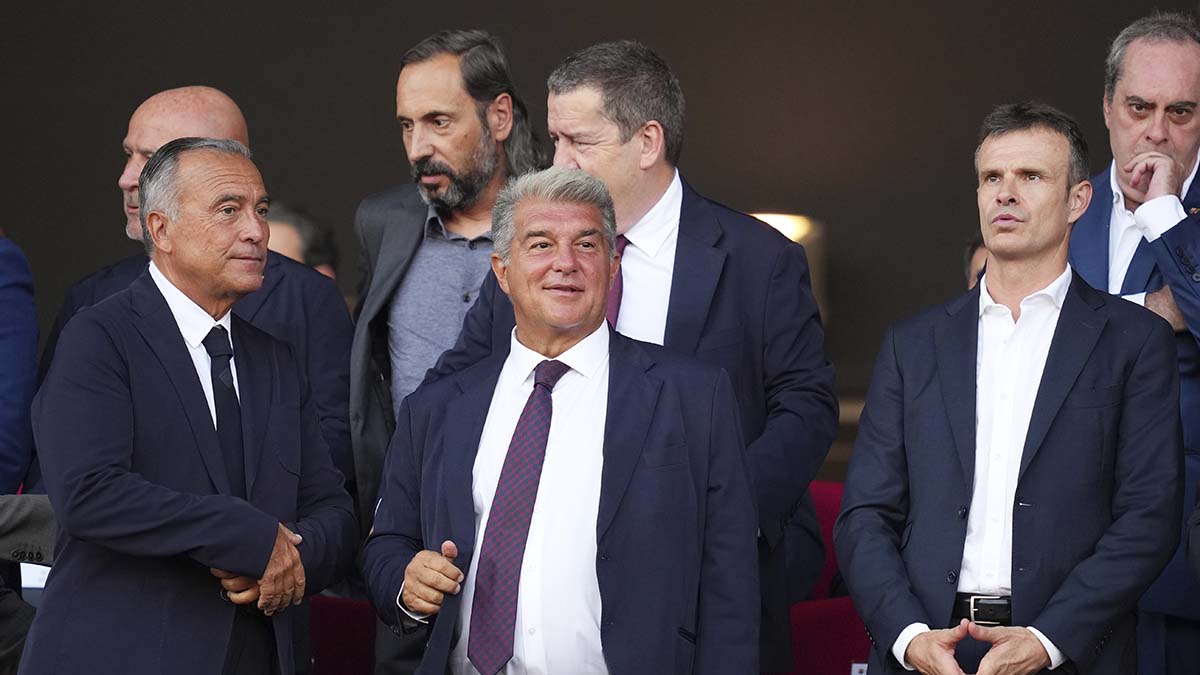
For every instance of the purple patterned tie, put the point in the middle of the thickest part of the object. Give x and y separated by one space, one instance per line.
494 609
618 287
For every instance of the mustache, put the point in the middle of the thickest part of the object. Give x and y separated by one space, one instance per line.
431 167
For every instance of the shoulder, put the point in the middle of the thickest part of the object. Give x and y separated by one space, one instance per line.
107 280
677 369
12 260
298 273
917 327
737 228
374 209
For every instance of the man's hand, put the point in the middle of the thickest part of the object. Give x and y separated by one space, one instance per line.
429 577
283 582
1015 650
240 590
1162 303
1153 174
932 653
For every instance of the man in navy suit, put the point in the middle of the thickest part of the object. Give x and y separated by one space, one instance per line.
1140 239
607 526
705 281
1016 482
295 303
180 451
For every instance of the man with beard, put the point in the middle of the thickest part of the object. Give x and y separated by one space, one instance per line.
425 248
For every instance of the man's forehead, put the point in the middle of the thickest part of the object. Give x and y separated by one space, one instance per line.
1161 68
151 128
208 171
437 81
1029 147
543 214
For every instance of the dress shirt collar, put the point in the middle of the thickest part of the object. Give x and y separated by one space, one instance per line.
435 227
194 323
1118 197
651 232
1056 292
586 357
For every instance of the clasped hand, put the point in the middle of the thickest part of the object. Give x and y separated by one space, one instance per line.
282 583
1014 651
429 577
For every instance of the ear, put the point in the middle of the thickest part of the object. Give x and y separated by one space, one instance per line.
1078 200
614 269
1106 105
500 269
654 144
160 231
500 117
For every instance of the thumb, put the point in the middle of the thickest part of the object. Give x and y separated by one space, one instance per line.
983 633
449 550
961 630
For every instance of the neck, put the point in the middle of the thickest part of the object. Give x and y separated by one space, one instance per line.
653 185
552 345
474 220
214 307
1011 281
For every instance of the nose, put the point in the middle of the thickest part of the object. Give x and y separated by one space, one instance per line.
256 230
418 145
133 170
1007 192
565 261
1156 129
564 156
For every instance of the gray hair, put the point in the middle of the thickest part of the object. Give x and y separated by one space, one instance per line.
636 86
555 184
158 189
1158 27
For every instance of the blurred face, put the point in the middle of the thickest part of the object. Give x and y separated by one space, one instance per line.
453 155
217 246
285 240
978 260
585 139
1026 202
1153 108
558 273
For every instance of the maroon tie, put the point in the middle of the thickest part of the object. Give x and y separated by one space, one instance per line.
614 293
494 608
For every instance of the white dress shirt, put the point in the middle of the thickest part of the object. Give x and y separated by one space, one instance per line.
647 268
1127 229
1010 358
558 601
194 324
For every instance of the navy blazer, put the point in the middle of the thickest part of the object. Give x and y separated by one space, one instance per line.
135 473
740 300
1098 495
295 304
18 353
1170 260
675 529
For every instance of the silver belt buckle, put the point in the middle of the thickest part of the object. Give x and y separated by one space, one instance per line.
983 597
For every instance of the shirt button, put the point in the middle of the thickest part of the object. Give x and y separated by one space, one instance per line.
962 512
532 631
466 297
951 577
471 245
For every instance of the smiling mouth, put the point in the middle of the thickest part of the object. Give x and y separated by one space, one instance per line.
563 289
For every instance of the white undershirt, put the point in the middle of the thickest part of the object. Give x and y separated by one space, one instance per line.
558 603
194 324
648 266
1008 370
1127 229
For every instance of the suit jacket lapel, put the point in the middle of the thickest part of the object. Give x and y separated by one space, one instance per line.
400 242
1078 329
1137 277
247 307
465 417
1089 237
254 394
632 395
698 265
956 342
158 328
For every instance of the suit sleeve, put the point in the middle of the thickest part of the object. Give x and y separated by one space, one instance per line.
27 528
396 536
324 508
18 361
475 339
802 408
328 369
727 630
875 508
367 251
1147 505
83 423
1177 255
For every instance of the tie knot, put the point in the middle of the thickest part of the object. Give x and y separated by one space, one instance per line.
622 242
216 343
548 373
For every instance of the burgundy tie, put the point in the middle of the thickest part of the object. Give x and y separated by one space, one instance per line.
614 293
494 608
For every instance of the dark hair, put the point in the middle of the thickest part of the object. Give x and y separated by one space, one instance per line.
635 85
485 75
1158 27
973 244
316 239
1033 115
157 186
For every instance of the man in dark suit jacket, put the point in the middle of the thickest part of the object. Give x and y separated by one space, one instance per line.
620 539
1140 238
18 349
192 515
705 281
1015 485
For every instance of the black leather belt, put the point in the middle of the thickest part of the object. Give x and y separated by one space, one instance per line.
985 610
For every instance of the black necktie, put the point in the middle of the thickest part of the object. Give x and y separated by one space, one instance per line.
229 412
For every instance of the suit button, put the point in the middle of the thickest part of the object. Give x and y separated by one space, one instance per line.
951 577
1179 251
962 512
1196 277
38 556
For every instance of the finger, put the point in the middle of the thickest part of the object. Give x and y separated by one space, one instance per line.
300 583
419 606
221 574
428 595
449 550
984 633
244 597
293 538
437 580
238 584
444 567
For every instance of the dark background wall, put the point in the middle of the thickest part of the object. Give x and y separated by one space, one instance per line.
861 114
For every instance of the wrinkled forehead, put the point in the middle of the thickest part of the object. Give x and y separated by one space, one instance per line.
208 175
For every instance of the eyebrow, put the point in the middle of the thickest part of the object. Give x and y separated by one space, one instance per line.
1138 100
427 116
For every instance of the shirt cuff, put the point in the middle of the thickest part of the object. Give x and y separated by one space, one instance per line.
415 616
1056 657
906 636
1157 216
1136 298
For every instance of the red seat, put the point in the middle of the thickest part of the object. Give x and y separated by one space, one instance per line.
342 634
